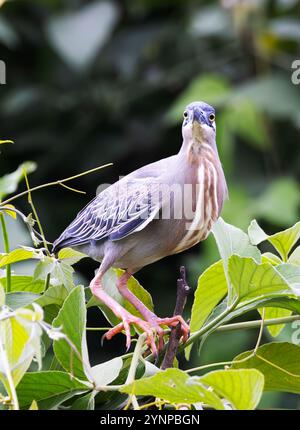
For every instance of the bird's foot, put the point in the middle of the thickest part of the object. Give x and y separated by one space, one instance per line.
169 322
127 320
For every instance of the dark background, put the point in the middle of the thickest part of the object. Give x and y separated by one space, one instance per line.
102 81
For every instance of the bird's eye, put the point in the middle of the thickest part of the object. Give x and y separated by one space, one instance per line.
212 117
185 114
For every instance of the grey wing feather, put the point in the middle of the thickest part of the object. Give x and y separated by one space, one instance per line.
122 209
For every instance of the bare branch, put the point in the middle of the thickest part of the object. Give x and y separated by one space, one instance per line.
182 292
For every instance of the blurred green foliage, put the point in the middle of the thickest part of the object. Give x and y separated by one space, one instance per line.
100 81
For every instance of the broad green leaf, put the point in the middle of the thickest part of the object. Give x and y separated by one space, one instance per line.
9 182
61 272
70 256
283 241
20 336
278 362
20 299
231 240
43 268
291 274
269 257
212 88
294 258
72 321
242 388
85 403
15 256
104 373
53 295
271 313
51 386
212 287
283 302
175 386
252 281
24 283
110 286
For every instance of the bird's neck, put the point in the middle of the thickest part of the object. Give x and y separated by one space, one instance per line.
205 155
195 151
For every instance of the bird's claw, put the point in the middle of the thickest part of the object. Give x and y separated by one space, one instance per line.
151 329
173 322
127 320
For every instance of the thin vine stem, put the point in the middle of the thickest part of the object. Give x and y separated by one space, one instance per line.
53 183
6 249
138 351
235 326
30 201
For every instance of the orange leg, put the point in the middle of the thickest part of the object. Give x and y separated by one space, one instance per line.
154 321
126 317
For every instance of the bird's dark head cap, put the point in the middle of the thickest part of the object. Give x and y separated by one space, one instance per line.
199 123
201 113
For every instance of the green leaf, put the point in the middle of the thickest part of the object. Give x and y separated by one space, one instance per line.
283 241
20 336
20 299
294 258
212 88
278 362
15 256
9 182
24 283
283 302
43 268
104 373
55 294
212 287
269 257
70 256
110 286
291 274
53 386
85 403
242 388
252 281
61 272
271 313
175 386
72 321
231 240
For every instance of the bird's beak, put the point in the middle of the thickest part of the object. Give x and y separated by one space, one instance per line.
198 123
